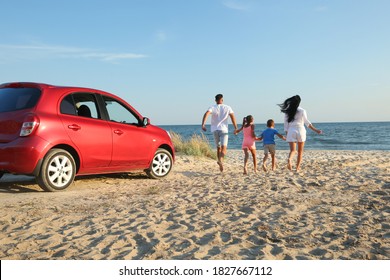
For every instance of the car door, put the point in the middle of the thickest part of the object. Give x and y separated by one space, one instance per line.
132 142
90 134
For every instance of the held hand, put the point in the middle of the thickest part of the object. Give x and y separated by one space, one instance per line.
320 132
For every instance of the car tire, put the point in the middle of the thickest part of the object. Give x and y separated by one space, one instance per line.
161 164
57 171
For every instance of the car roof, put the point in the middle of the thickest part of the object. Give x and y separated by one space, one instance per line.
41 86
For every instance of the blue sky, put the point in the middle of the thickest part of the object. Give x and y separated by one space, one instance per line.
169 58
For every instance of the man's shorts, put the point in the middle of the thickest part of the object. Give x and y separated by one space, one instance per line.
269 148
221 138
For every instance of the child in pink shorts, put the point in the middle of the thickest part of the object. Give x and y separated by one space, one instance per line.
248 143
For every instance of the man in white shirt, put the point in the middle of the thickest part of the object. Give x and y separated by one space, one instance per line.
220 114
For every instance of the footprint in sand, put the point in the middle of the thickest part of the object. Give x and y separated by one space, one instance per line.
225 237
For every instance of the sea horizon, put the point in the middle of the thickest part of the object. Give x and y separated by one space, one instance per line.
239 123
362 136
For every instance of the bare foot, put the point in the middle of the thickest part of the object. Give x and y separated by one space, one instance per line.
220 166
245 171
289 165
265 168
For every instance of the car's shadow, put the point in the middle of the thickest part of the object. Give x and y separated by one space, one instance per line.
119 176
18 184
23 184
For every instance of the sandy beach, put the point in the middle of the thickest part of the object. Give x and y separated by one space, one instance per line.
337 207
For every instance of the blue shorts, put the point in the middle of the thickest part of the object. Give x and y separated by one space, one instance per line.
221 138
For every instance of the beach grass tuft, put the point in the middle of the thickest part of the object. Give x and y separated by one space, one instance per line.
197 145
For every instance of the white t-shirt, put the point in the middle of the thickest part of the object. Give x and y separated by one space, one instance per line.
300 120
219 117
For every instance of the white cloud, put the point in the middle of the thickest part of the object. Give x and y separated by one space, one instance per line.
42 51
112 56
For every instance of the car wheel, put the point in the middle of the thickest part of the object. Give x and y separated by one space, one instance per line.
161 164
57 171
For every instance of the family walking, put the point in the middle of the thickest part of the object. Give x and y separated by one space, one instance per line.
295 119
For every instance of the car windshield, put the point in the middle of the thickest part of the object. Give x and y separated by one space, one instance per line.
13 99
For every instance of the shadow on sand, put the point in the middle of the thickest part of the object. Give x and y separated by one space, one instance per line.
10 183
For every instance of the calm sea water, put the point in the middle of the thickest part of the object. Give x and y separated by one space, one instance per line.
337 136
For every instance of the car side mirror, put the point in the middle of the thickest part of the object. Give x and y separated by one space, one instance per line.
145 121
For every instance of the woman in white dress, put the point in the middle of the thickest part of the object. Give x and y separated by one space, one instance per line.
295 120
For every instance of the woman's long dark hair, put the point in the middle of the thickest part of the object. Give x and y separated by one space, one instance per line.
290 106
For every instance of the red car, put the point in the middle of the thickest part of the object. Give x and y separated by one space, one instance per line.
58 132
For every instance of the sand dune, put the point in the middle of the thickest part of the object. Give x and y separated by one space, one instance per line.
337 207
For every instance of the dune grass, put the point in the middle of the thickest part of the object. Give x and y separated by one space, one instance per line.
197 145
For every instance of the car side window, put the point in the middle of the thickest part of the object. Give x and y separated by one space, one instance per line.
67 106
117 112
80 104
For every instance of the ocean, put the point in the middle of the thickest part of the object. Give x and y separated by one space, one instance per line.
365 136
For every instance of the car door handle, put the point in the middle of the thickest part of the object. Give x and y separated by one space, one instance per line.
74 127
118 131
